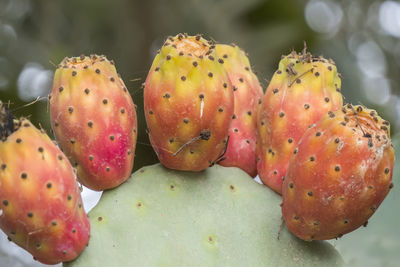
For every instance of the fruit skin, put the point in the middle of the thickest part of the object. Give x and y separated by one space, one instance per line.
241 151
94 120
217 217
339 175
40 199
302 90
188 103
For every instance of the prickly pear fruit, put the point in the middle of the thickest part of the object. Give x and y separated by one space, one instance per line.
241 150
41 206
339 174
217 217
94 120
302 90
188 102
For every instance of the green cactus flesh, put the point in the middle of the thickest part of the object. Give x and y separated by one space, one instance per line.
217 217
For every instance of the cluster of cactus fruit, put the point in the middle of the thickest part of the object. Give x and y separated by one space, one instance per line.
332 163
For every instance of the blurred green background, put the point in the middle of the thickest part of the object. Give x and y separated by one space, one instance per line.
362 36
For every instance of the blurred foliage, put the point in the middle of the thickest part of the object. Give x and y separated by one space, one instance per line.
131 31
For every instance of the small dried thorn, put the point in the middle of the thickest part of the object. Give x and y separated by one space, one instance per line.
60 157
326 99
201 96
220 109
233 116
387 170
225 85
74 73
291 185
330 68
90 124
225 56
211 57
310 193
275 91
298 80
87 91
306 106
210 74
107 169
337 140
168 57
60 89
295 150
30 214
316 223
48 185
112 137
391 185
275 172
90 157
3 166
236 130
249 113
198 37
345 221
278 72
290 140
370 143
337 168
181 53
72 140
97 71
183 78
234 88
318 134
150 112
312 158
186 121
195 63
70 110
122 110
105 101
157 69
171 140
281 114
316 74
365 224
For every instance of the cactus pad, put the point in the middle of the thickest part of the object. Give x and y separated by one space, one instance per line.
217 217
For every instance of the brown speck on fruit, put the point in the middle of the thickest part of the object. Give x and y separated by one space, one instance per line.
233 116
337 140
326 99
310 193
60 89
225 85
40 149
241 80
391 185
210 57
275 91
171 140
290 140
275 172
221 61
249 113
49 185
107 169
234 88
70 110
387 170
312 158
291 185
296 217
5 202
97 71
316 74
157 69
87 91
337 168
201 96
24 175
306 106
195 63
331 114
112 137
74 73
316 223
232 187
183 78
329 68
69 197
295 150
30 214
278 71
236 130
220 109
345 221
210 74
3 166
318 134
19 140
105 101
281 114
186 120
168 57
72 140
90 124
122 110
150 112
99 218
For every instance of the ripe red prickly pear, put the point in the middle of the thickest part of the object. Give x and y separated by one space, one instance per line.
338 175
302 90
241 151
188 102
41 205
94 120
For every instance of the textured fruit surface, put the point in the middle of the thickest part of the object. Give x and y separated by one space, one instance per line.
94 120
188 102
302 90
339 174
241 151
41 206
218 217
